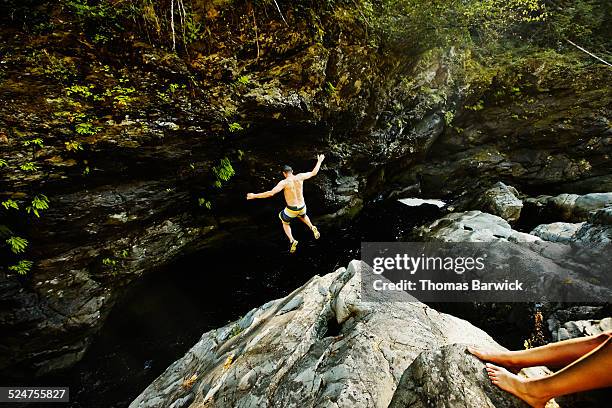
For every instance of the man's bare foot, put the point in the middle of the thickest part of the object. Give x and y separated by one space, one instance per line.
503 358
515 385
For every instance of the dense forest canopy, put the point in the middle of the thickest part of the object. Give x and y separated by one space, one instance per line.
406 25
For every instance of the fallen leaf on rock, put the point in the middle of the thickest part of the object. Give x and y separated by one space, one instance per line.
228 362
188 383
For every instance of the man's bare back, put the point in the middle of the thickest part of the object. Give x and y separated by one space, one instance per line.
293 189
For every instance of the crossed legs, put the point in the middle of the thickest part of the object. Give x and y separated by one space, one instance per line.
587 365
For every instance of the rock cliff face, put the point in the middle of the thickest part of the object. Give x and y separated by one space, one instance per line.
130 146
321 346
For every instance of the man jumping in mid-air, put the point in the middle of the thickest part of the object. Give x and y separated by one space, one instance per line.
293 188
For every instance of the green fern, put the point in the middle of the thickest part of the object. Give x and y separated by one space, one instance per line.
87 129
10 204
235 127
22 267
17 244
29 166
38 142
243 79
39 203
224 171
80 90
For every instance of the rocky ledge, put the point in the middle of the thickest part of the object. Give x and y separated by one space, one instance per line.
323 346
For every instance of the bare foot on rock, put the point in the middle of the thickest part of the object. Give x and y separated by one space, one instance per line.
515 385
503 358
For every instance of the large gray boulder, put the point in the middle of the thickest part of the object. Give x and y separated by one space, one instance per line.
598 229
472 226
449 377
546 268
579 321
570 207
501 200
321 346
557 231
580 328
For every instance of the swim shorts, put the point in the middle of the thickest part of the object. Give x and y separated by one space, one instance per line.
291 212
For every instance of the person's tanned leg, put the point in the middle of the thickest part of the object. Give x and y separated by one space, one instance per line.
287 229
314 229
589 372
306 221
554 355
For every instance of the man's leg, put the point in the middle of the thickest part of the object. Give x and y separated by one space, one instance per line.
589 372
287 229
553 355
304 218
286 219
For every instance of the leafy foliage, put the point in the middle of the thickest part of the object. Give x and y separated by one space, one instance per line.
36 142
81 90
10 204
39 203
223 172
235 127
243 80
22 267
202 202
29 166
413 25
87 129
584 21
17 244
73 145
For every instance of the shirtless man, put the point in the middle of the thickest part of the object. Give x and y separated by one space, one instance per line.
293 189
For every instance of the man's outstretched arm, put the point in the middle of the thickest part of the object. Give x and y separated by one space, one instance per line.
315 171
279 187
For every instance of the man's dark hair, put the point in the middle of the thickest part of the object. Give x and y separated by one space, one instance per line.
287 169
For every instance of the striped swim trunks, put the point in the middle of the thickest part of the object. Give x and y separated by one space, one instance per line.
290 212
